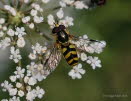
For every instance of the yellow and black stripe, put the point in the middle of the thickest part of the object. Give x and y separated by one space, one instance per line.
70 54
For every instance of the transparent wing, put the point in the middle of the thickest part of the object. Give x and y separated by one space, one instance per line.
88 45
53 58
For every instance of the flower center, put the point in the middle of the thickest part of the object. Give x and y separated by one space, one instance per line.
16 20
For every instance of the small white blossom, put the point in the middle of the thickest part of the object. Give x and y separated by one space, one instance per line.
37 71
45 1
32 81
38 19
12 91
85 36
10 9
5 43
32 56
18 85
28 88
68 2
39 92
33 12
13 78
62 4
20 42
83 57
26 19
76 72
36 6
7 7
50 19
26 79
21 93
14 98
68 21
80 5
15 54
19 72
31 26
20 31
60 14
4 28
26 1
13 11
2 20
11 32
31 95
98 46
6 86
38 49
89 49
1 33
94 62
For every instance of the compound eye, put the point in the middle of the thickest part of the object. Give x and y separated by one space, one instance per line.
55 30
62 27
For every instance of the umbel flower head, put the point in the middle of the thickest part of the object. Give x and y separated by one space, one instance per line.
20 17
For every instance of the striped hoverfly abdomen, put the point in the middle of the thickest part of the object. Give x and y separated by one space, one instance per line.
70 54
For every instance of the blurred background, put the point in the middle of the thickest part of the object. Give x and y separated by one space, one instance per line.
112 82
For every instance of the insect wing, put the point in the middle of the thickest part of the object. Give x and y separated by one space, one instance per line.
88 45
53 59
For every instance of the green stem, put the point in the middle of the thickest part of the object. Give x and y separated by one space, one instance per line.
56 8
46 37
21 79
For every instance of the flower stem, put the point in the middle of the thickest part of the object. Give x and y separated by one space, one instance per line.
56 8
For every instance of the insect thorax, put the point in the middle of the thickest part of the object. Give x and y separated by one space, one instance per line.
62 37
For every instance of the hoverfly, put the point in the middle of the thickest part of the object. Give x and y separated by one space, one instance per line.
64 47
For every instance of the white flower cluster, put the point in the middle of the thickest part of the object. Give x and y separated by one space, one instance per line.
15 38
38 50
67 21
25 78
10 9
94 62
77 3
77 72
5 42
19 33
90 46
20 86
37 72
15 54
34 17
29 17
